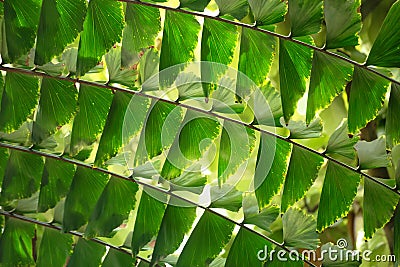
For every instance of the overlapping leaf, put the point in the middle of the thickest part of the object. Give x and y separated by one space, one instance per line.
343 22
102 28
60 22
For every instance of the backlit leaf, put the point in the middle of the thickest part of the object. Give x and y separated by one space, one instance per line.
343 22
57 105
16 243
294 68
299 229
20 96
59 25
112 208
245 248
338 192
386 50
268 12
94 104
142 26
56 180
270 182
102 28
299 179
87 253
305 17
21 20
392 122
367 94
48 256
86 188
329 76
236 8
22 176
212 231
176 222
378 206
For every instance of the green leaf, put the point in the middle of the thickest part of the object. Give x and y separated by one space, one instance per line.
177 221
218 44
48 256
124 120
254 44
214 232
57 105
22 176
180 31
377 213
305 17
299 230
189 85
268 12
225 100
21 22
195 137
116 258
16 243
87 253
270 182
148 220
343 23
148 69
341 145
367 94
126 77
329 76
264 218
236 145
102 28
294 68
60 23
273 99
226 197
299 129
386 51
142 26
20 96
3 163
299 179
112 208
94 104
372 154
155 125
245 249
196 5
85 191
56 180
236 8
396 234
338 192
392 122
